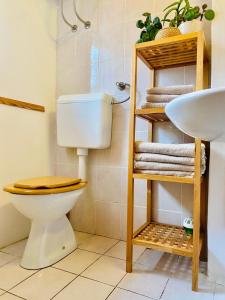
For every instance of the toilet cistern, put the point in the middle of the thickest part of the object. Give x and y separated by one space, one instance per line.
199 114
84 122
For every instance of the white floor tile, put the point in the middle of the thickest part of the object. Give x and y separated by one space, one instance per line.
16 249
77 261
119 294
43 285
108 270
82 237
98 244
156 260
183 269
149 284
8 296
119 251
219 292
85 289
177 289
5 258
12 274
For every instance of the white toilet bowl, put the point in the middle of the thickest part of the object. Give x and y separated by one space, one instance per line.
51 237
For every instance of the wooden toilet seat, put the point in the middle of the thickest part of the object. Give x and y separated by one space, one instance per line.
45 185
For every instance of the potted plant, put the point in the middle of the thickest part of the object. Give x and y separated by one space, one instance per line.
185 17
149 28
194 17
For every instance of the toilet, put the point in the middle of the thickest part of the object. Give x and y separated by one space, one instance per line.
83 122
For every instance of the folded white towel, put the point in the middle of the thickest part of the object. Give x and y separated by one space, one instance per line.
171 90
146 165
167 173
161 158
186 150
153 105
160 98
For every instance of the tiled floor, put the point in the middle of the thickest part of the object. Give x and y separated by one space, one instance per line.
96 271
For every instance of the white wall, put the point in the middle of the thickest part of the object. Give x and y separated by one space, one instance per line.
27 60
216 223
93 60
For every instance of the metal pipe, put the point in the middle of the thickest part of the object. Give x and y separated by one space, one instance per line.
87 24
72 26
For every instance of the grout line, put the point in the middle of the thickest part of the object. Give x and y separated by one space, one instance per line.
23 279
137 293
97 281
79 276
14 295
164 288
64 287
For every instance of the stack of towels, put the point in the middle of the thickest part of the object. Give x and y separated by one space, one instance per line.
160 96
167 159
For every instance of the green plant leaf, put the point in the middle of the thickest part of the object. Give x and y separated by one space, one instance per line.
145 37
190 15
142 33
196 9
209 14
169 11
173 4
140 24
149 28
146 14
204 6
187 4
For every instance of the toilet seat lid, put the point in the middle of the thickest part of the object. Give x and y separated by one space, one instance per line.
48 182
44 191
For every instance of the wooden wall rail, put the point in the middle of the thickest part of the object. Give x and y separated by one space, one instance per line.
22 104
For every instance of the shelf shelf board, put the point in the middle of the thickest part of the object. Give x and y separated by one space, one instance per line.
152 114
176 51
189 180
166 238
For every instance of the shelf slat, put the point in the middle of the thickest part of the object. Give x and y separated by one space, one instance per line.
152 114
167 238
170 52
189 180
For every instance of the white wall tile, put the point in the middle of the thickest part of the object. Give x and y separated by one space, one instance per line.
109 184
167 217
167 196
108 219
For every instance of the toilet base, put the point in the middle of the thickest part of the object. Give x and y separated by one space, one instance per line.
48 243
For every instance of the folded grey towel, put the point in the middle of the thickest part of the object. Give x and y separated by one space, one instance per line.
160 98
186 150
167 173
171 90
153 105
146 165
161 158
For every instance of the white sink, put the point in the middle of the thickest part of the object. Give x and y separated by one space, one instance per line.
200 114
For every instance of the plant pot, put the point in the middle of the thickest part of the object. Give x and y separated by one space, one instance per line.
167 32
191 26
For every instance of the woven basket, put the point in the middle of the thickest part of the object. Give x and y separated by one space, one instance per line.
167 32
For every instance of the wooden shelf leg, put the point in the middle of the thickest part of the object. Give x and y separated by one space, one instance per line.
130 221
130 204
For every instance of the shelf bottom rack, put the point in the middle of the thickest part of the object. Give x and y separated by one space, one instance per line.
166 238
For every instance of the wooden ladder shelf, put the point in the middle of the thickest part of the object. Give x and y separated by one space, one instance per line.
182 50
